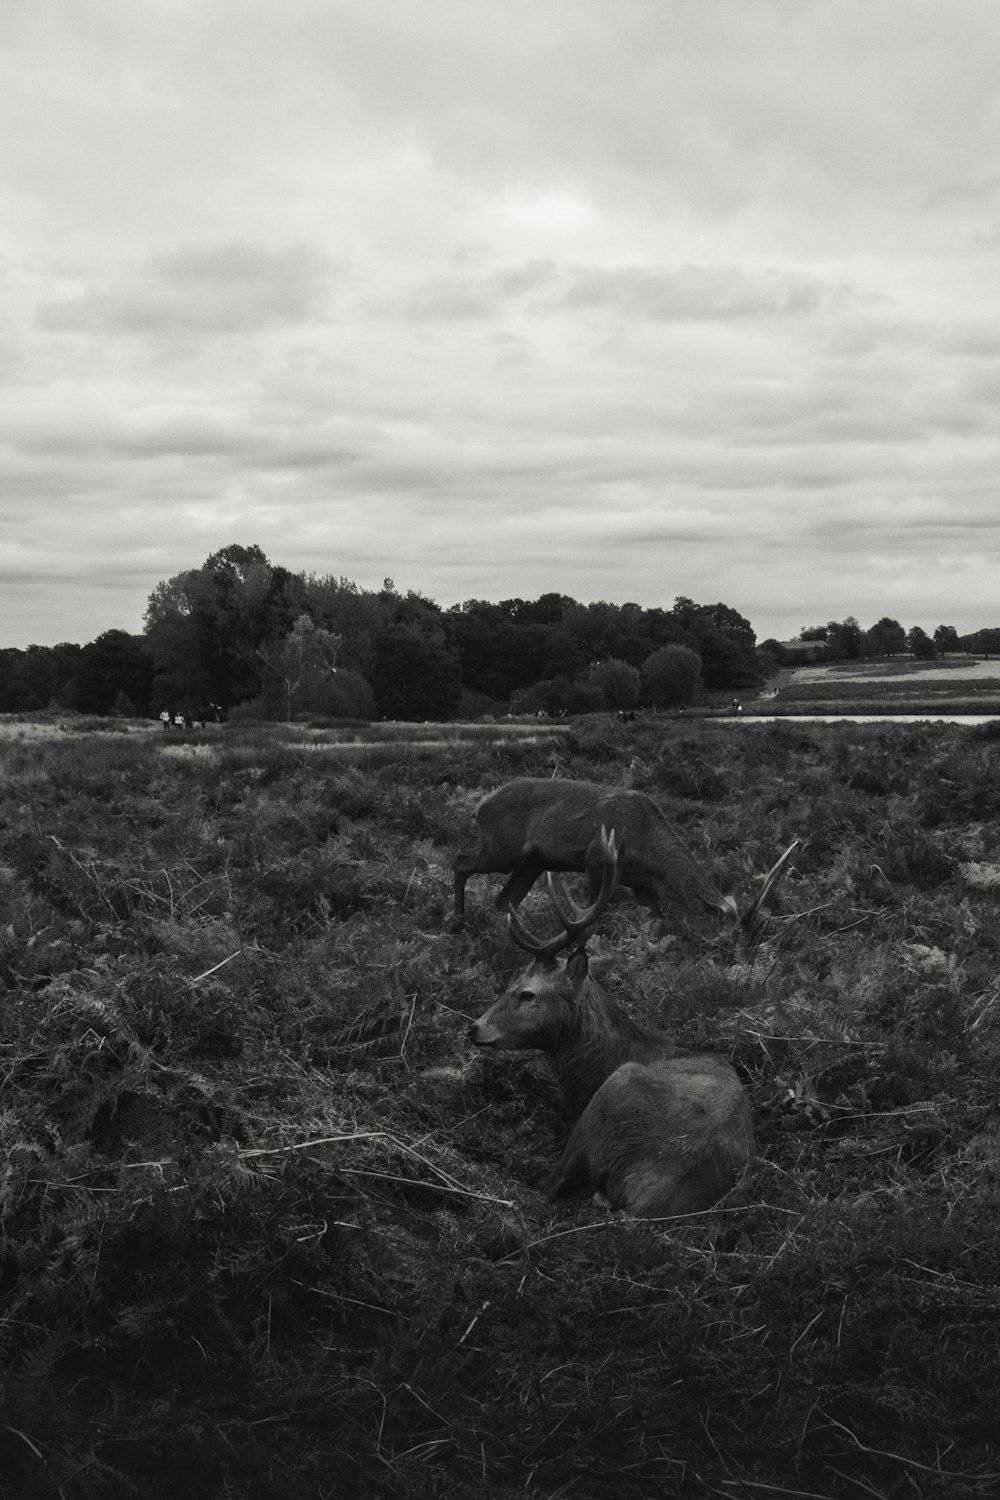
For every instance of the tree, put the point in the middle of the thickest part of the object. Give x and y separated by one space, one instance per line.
497 656
845 639
205 627
415 675
671 676
547 609
617 683
301 663
38 676
723 639
946 638
987 641
920 643
886 638
722 616
725 663
114 664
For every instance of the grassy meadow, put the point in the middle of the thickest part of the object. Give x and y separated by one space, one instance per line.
269 1226
954 684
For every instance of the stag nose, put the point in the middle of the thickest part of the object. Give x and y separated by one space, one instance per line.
479 1034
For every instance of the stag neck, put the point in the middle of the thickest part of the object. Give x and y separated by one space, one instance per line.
595 1038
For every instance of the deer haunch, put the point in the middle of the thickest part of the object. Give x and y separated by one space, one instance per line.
662 1138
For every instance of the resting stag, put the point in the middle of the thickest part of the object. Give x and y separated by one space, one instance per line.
658 1131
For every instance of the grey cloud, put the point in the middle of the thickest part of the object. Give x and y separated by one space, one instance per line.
688 293
963 191
699 293
220 289
976 340
457 298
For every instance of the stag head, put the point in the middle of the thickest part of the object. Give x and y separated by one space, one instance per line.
530 1013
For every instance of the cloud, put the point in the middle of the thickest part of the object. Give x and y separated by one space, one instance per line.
223 289
627 301
699 293
689 293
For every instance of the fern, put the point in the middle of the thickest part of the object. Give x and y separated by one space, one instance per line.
31 1390
980 876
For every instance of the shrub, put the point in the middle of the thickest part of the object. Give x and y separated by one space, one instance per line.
671 676
616 682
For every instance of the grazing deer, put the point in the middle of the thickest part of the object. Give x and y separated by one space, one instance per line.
658 1131
533 824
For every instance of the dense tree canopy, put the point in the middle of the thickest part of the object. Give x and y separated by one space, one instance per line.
241 629
114 670
415 675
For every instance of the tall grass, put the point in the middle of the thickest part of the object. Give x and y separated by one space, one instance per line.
271 1228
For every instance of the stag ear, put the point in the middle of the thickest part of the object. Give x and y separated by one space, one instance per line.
577 967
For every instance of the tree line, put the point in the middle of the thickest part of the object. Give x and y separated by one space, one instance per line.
846 640
249 635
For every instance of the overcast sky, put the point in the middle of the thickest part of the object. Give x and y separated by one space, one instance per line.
625 299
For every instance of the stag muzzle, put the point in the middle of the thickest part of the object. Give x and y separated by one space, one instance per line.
483 1033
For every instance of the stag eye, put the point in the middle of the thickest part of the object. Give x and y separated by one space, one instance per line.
525 996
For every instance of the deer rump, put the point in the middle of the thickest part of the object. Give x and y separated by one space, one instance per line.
532 824
659 1139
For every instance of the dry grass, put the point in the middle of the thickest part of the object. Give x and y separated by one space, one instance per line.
270 1227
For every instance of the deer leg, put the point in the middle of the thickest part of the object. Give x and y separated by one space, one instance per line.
469 862
463 867
570 1175
460 894
519 884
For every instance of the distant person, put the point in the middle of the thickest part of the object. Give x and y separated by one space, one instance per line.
179 721
165 719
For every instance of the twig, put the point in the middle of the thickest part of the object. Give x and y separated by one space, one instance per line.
35 1450
222 962
776 1489
409 1023
899 1458
451 1185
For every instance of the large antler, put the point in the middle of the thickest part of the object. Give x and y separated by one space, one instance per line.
756 911
575 920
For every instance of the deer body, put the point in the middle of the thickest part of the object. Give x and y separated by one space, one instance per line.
533 824
657 1131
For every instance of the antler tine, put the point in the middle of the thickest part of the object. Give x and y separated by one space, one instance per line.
537 947
770 880
575 920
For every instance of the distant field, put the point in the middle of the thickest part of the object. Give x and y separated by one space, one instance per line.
335 737
959 686
961 670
